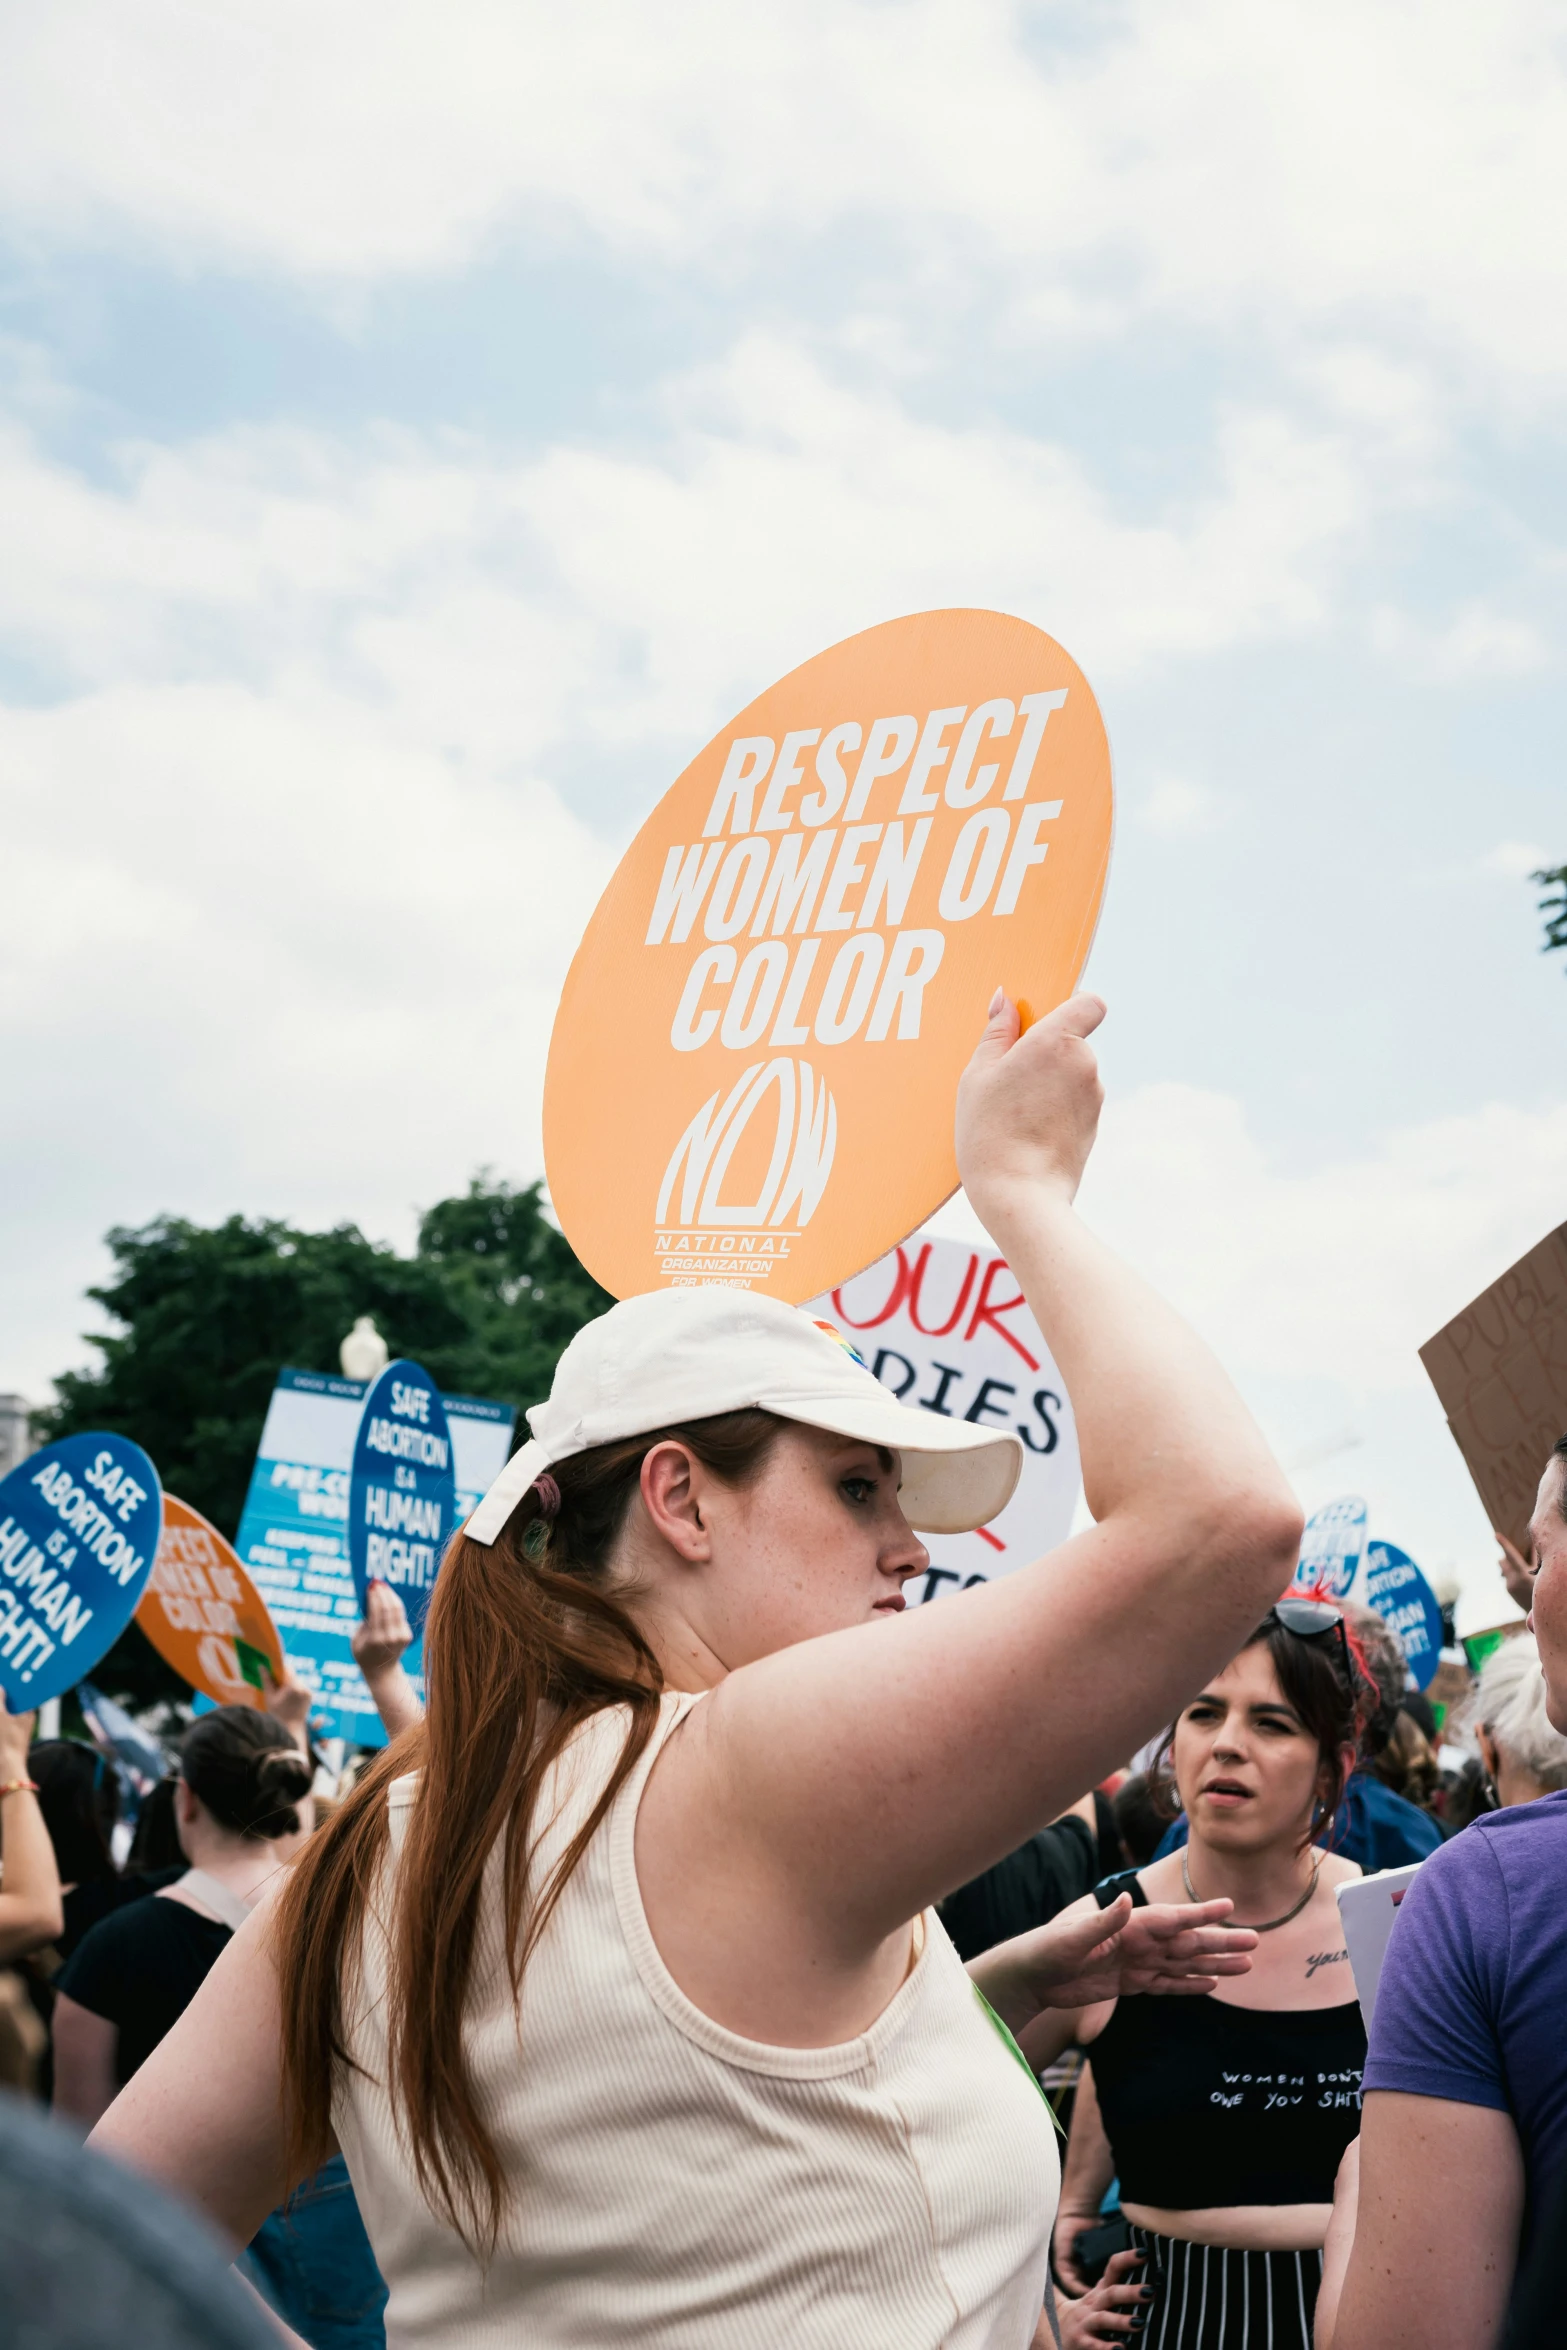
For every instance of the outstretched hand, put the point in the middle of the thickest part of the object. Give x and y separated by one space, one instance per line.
1168 1946
1088 1954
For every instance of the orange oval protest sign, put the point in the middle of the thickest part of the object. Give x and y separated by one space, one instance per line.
203 1614
752 1070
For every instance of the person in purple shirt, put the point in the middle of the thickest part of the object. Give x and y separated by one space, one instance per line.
1464 2130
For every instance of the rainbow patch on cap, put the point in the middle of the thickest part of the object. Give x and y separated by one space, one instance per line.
832 1331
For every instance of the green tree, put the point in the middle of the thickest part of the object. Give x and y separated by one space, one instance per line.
1554 908
207 1315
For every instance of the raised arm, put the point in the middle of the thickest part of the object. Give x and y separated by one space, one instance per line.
30 1911
378 1644
836 1787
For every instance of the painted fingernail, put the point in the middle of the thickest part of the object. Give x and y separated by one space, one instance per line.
996 1002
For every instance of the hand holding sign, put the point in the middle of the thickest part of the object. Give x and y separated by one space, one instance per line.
383 1639
402 1489
1028 1106
379 1646
1518 1571
79 1527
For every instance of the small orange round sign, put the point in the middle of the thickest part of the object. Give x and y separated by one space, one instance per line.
203 1614
752 1070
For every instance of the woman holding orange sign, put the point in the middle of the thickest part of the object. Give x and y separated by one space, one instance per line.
618 1980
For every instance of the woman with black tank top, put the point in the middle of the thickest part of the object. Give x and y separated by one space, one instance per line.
1224 2117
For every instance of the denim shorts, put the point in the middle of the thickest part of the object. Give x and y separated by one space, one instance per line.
311 2261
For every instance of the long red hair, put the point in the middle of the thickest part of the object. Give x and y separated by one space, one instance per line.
524 1640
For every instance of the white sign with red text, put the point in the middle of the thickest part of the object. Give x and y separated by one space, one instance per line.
945 1326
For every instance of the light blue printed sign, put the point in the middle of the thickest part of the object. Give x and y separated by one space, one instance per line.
402 1490
79 1529
1407 1604
293 1537
1331 1548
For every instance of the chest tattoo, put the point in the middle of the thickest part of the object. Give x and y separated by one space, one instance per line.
1323 1958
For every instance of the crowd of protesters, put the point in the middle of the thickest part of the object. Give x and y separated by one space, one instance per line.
705 1968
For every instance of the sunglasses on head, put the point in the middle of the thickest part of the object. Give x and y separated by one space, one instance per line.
1313 1619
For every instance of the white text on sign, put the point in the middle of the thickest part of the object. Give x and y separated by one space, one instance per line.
791 890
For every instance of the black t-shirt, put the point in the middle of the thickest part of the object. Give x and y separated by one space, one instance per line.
1208 2105
1027 1889
140 1969
85 1904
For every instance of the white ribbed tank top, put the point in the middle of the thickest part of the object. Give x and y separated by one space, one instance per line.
676 2187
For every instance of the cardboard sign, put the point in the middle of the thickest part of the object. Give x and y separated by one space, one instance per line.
205 1617
79 1525
1405 1601
1367 1907
752 1070
1500 1369
1331 1548
402 1489
945 1327
293 1536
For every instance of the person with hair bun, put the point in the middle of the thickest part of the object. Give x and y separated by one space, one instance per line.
619 1978
242 1809
238 1805
1225 2118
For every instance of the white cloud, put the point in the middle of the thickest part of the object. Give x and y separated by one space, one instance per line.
288 827
1379 167
1177 809
1476 645
1339 1271
487 594
1515 860
262 954
1316 1287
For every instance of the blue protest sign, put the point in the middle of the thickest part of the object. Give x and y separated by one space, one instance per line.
79 1529
293 1537
1407 1604
1331 1548
402 1489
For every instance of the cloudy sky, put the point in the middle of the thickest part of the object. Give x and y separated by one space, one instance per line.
421 427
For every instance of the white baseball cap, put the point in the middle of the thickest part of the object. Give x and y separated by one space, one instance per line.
689 1354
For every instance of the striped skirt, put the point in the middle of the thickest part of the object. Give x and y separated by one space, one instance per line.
1209 2298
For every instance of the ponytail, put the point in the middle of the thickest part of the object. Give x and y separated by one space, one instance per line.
525 1640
